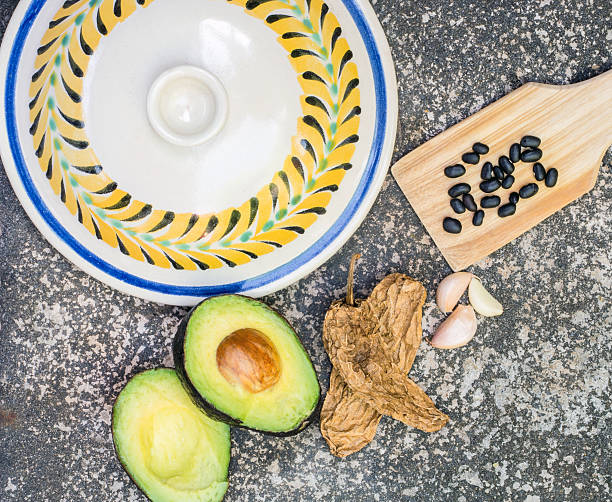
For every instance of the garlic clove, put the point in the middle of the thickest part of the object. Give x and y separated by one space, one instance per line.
456 330
482 301
450 290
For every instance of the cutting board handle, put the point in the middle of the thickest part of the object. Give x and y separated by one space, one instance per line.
592 98
585 106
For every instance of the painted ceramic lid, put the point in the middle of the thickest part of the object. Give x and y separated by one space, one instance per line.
177 149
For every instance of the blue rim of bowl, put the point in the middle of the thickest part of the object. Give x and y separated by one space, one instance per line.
234 287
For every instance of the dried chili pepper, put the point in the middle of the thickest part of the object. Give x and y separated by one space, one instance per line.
372 344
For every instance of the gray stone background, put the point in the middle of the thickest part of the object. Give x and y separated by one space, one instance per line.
529 397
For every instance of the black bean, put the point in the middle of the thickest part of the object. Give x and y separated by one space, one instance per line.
531 155
507 210
551 177
454 171
480 148
478 217
489 186
508 181
514 197
470 158
451 225
528 190
515 152
459 189
490 201
457 206
538 171
499 174
530 141
486 173
506 165
468 202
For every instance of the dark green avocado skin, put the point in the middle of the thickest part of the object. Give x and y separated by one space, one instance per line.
178 352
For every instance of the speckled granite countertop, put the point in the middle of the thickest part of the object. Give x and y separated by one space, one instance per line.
529 399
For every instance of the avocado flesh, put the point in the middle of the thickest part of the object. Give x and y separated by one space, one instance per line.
280 408
167 445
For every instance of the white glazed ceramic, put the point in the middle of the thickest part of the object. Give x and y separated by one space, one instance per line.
244 184
187 105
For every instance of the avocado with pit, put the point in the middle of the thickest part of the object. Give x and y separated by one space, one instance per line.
243 364
166 444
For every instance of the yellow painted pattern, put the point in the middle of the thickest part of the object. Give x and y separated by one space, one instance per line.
278 213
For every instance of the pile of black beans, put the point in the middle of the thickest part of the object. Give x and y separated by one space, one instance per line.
495 177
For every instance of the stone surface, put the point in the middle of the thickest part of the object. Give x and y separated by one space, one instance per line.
529 398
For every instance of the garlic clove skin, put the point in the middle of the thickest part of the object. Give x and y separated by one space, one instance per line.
482 301
456 330
450 290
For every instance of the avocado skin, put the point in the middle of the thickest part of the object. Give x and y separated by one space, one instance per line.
178 353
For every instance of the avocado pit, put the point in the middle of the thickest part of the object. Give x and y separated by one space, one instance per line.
247 358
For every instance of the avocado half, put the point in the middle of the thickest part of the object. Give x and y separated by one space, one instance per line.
244 365
166 444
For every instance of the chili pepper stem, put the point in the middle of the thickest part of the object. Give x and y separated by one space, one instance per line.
350 299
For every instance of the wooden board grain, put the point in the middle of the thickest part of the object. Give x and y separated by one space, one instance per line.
574 123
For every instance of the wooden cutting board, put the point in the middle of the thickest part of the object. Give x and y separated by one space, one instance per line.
574 123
